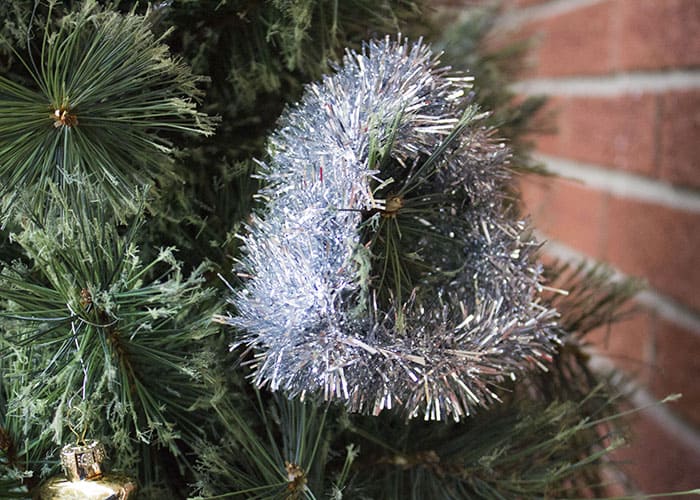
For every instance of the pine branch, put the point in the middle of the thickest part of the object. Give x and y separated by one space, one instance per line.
258 54
468 45
278 451
13 474
106 92
13 31
90 325
10 478
522 451
594 296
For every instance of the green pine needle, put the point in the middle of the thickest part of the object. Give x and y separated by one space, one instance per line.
279 451
106 94
594 296
391 234
91 326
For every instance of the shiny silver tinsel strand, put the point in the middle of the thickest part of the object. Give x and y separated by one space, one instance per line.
386 269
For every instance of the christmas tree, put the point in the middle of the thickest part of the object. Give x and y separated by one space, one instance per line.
249 285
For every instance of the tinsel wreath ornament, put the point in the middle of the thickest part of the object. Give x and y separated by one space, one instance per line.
85 478
389 268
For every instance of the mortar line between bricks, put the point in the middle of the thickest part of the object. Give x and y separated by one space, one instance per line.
666 307
623 184
641 398
511 19
611 85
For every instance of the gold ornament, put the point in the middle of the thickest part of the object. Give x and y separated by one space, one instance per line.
83 461
85 478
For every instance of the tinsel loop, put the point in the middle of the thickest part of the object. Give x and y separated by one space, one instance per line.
388 268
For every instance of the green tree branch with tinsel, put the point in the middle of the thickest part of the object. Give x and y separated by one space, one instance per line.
129 136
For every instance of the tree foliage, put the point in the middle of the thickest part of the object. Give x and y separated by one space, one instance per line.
104 89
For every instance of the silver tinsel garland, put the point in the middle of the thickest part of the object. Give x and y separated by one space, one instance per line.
387 269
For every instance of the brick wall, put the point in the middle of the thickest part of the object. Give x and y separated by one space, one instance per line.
624 81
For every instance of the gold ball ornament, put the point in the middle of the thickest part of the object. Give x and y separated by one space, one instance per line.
85 478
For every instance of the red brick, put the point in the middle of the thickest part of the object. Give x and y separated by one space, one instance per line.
458 3
658 243
528 3
677 368
566 211
613 487
616 131
573 43
533 191
656 34
609 131
628 343
657 461
551 141
679 160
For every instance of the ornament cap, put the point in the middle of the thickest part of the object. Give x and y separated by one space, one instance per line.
83 461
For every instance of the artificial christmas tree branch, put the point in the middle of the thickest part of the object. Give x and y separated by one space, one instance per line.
105 88
99 324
